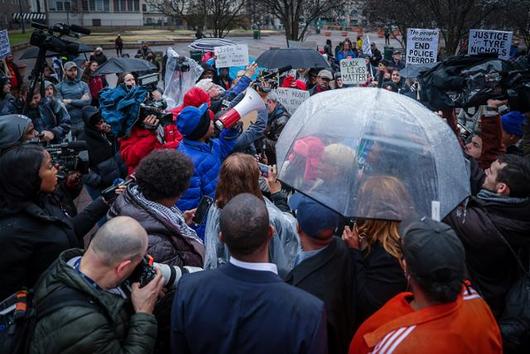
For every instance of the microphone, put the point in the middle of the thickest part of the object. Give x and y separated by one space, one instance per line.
80 29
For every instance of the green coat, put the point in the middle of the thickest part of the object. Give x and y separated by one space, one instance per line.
114 328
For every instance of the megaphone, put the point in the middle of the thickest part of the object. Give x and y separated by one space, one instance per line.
251 102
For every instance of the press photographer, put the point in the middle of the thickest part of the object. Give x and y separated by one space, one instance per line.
108 318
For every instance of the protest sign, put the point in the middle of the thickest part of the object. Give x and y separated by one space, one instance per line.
305 44
422 46
291 98
353 71
486 41
5 48
232 55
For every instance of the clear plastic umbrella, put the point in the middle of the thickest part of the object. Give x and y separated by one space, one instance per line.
372 153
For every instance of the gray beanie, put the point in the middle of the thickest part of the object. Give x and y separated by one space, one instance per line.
12 128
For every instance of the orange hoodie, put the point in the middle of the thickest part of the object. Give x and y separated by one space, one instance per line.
465 326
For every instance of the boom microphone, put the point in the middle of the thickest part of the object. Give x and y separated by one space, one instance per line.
278 72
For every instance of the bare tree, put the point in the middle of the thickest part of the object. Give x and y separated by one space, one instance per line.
220 16
454 18
291 13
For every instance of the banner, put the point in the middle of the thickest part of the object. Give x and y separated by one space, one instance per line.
486 41
291 98
232 55
353 71
5 48
422 46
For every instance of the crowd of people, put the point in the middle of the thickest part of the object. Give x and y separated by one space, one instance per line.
145 267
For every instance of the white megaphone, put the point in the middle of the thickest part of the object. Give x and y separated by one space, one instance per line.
251 102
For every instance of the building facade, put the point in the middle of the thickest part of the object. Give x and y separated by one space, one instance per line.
9 7
95 13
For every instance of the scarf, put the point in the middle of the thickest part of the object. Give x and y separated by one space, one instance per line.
172 215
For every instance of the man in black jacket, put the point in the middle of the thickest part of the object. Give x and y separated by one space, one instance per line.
325 268
499 215
278 117
104 159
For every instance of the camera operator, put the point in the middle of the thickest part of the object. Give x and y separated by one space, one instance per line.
34 228
110 321
278 117
139 135
50 117
161 178
105 162
75 95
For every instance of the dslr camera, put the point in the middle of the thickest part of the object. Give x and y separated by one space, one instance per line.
148 108
70 157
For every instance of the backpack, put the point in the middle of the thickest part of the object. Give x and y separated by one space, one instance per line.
19 315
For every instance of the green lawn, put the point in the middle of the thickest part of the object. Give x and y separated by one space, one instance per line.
19 37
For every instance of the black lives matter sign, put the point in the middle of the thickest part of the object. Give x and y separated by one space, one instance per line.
353 71
422 46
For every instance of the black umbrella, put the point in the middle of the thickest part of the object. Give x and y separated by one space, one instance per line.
33 52
120 65
296 57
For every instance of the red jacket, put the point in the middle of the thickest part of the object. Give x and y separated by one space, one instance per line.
142 141
465 326
290 82
95 85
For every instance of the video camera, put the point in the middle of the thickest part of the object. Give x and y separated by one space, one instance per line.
69 156
268 81
469 81
45 37
182 64
151 108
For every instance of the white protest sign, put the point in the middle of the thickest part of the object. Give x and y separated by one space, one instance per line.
232 55
486 41
5 48
422 46
353 71
305 44
291 98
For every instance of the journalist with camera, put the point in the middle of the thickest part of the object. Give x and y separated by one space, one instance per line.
99 313
34 226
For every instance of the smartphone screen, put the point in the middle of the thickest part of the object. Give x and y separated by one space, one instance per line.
263 169
202 209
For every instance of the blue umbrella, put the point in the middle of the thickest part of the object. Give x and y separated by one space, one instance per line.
208 44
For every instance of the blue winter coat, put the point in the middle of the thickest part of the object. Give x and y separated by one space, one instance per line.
207 159
120 108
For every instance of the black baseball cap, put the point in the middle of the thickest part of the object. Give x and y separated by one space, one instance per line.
433 251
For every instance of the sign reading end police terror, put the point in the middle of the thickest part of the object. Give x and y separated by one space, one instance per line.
353 71
422 46
233 55
486 41
5 48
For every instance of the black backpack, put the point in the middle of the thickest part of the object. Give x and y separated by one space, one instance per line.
19 314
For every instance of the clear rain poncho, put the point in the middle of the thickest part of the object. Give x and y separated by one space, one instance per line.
283 248
181 75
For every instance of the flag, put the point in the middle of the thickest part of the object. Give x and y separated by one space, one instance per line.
367 50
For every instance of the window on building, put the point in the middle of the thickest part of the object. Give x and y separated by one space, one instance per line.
126 5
